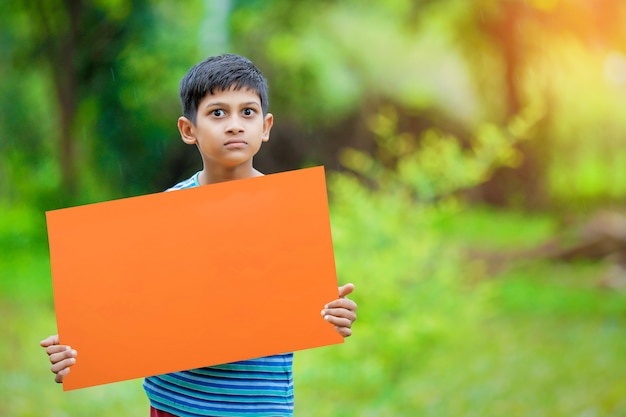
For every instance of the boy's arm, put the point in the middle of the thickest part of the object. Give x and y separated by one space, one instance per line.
61 356
342 311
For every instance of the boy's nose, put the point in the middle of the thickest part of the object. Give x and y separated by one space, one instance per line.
234 125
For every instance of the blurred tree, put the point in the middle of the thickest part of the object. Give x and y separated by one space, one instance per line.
99 76
78 43
531 40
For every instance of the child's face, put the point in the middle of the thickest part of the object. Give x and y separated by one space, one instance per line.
230 128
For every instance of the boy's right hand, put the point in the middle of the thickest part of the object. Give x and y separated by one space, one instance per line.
61 356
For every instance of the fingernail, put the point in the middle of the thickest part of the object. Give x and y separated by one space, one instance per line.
74 353
323 312
72 360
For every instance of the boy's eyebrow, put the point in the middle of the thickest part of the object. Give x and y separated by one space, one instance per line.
223 104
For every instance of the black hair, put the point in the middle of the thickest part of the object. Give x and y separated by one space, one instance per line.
220 73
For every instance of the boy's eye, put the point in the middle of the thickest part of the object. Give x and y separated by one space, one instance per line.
218 113
248 112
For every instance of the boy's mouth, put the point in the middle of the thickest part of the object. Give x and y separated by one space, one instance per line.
235 143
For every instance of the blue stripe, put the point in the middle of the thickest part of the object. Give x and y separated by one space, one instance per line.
172 394
226 412
236 384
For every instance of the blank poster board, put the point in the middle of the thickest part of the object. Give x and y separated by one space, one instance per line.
191 278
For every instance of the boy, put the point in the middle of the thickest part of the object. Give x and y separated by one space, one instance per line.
225 105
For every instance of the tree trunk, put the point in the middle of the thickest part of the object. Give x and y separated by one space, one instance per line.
59 47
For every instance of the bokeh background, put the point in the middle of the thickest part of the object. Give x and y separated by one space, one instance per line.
477 179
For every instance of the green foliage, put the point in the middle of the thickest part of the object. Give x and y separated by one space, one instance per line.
27 169
438 164
384 236
474 227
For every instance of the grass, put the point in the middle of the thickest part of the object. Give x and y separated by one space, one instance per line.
541 339
546 349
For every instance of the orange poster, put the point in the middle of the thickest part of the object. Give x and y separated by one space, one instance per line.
191 278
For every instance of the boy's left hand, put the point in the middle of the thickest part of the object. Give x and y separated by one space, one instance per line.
341 312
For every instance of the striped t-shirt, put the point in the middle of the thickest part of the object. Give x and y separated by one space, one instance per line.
256 387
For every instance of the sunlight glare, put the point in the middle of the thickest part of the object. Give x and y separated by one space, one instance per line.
615 68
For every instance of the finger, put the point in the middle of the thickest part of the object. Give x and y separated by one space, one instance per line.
60 356
61 375
344 331
342 303
344 290
62 365
51 350
339 321
340 313
50 340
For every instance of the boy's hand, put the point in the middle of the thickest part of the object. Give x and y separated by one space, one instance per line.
341 312
61 357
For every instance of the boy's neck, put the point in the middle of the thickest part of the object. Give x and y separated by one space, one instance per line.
212 175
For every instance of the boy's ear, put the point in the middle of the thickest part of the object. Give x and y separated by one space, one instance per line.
186 129
268 121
